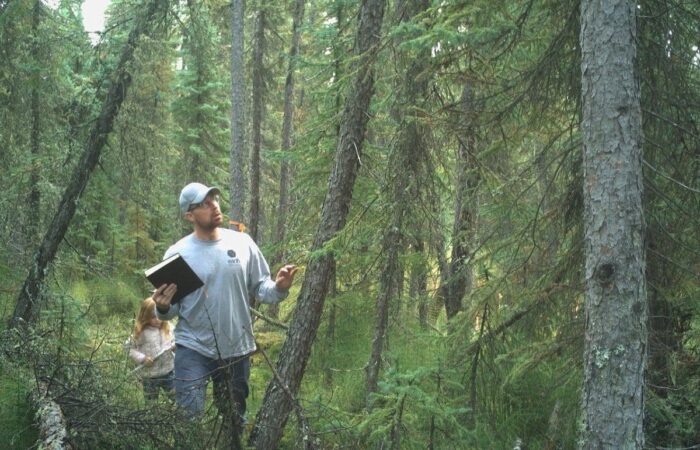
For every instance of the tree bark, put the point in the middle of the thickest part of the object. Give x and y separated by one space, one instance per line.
35 129
195 40
295 352
287 122
419 282
237 187
28 303
53 434
615 288
258 96
459 281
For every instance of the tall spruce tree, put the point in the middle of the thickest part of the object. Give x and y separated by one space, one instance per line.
616 304
237 164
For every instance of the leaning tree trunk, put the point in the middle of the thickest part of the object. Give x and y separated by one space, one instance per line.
616 308
28 302
403 169
276 405
237 187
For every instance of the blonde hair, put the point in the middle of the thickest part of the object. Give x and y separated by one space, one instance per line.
146 313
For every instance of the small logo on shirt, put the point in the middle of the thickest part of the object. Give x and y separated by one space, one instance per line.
232 258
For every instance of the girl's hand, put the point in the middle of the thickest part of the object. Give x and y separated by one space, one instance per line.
148 361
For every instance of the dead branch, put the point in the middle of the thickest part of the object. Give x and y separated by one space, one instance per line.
268 319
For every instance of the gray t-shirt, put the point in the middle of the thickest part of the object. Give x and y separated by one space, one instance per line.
215 320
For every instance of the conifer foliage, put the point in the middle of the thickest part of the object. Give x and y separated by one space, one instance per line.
494 207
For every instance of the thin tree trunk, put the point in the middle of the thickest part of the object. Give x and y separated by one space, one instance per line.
258 96
196 169
287 122
615 351
471 418
237 187
35 133
459 282
287 125
403 168
419 283
438 244
295 352
28 303
390 249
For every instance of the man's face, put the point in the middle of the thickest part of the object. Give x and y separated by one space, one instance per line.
207 214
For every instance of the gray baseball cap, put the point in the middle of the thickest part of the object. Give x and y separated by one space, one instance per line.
195 193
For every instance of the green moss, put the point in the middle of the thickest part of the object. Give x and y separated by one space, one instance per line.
16 421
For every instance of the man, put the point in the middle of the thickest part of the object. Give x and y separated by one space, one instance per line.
214 333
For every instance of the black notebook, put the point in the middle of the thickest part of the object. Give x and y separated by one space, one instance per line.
174 270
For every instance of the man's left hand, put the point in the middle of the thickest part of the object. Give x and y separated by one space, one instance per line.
285 276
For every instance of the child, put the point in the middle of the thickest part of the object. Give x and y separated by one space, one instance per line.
151 345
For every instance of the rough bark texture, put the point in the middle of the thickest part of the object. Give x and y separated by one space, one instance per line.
50 421
258 95
295 352
237 188
28 302
616 308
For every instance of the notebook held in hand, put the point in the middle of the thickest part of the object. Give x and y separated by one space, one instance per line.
175 270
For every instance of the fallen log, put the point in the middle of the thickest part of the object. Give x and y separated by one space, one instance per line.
53 434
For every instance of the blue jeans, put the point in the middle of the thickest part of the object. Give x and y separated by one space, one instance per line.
230 376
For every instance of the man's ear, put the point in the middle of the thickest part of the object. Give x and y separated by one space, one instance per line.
189 217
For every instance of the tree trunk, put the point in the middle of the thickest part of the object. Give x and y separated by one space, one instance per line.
237 187
295 352
419 282
34 135
390 251
195 167
287 124
403 169
258 96
459 281
616 308
53 433
28 302
287 121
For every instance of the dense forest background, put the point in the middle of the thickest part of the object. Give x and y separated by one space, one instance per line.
450 312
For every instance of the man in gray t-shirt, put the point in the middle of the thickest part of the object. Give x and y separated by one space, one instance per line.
214 332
